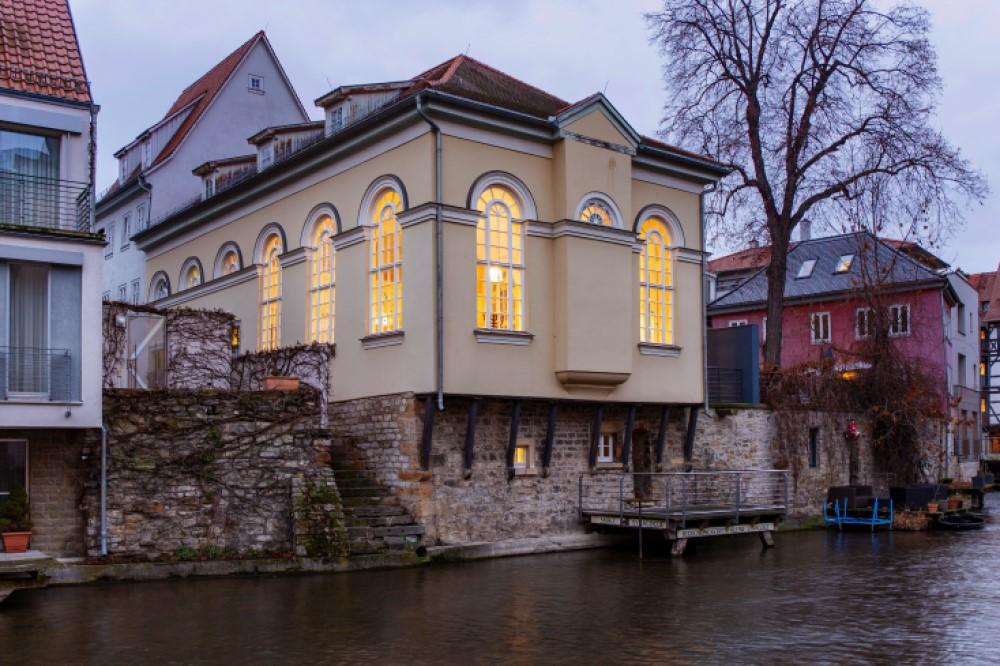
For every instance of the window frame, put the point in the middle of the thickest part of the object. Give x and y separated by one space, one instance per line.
736 323
27 463
666 333
386 197
126 223
489 257
251 79
811 262
614 216
813 338
813 451
893 319
324 229
269 281
844 264
869 317
609 440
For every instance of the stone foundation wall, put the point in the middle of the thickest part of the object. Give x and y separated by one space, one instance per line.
456 506
214 474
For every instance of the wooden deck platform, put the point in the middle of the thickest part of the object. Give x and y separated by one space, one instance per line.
687 505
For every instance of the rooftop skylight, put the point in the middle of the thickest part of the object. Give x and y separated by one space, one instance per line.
844 264
806 269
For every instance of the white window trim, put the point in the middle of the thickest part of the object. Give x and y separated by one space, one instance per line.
812 267
858 333
604 200
509 265
892 319
374 269
250 87
601 458
182 278
487 180
840 259
315 289
218 270
812 329
125 231
734 323
264 299
670 289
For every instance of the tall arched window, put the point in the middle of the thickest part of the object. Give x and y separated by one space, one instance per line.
386 276
656 284
270 294
499 260
322 281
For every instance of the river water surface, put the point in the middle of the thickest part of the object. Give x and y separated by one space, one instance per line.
819 597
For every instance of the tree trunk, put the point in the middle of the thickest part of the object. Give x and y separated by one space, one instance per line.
776 271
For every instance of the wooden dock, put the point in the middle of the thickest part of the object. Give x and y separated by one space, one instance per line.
686 505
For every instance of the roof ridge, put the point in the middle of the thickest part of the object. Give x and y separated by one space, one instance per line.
213 68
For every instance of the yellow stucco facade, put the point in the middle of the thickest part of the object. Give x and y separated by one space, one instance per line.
580 336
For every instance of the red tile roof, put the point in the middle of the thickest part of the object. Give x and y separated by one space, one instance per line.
201 93
988 286
750 258
39 52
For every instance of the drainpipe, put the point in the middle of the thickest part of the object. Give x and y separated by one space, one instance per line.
93 166
704 294
438 258
104 490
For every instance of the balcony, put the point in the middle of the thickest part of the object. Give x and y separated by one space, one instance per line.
32 374
43 203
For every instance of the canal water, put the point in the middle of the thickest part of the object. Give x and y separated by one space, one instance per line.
819 597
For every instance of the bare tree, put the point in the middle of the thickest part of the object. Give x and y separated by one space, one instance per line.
814 103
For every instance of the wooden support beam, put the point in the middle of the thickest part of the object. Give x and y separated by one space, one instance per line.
766 539
470 437
678 547
661 436
629 426
428 434
689 439
515 424
550 438
595 435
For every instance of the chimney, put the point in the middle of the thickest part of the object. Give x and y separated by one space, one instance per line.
805 230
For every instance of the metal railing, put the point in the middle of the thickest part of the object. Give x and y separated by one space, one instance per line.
31 372
34 201
684 495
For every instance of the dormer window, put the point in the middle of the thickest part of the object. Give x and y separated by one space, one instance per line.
265 156
844 264
146 153
121 170
256 84
335 120
209 186
806 269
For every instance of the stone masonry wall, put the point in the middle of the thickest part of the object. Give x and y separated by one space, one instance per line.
215 474
487 505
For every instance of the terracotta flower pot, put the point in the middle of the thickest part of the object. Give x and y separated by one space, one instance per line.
16 542
281 383
953 504
932 507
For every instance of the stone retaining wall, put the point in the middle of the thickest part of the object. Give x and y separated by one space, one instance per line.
215 474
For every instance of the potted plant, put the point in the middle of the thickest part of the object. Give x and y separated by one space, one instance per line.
932 506
277 380
15 523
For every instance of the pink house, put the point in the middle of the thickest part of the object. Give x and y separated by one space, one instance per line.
826 315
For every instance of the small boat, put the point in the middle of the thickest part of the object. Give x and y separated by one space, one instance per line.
960 521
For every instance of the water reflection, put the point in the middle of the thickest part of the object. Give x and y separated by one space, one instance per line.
821 597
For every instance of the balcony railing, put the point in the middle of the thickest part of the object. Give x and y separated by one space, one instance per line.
34 373
34 201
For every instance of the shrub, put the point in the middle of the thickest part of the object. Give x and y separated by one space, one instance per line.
14 515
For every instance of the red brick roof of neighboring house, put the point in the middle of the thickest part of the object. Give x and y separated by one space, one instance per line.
988 287
759 257
201 93
39 52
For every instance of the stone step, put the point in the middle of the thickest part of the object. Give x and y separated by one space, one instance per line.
360 532
369 500
366 546
374 510
362 491
399 531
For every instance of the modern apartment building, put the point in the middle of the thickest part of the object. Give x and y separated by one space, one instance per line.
51 262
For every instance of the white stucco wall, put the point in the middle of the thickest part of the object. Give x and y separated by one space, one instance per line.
222 131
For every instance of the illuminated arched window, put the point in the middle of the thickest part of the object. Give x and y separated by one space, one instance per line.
656 285
270 294
499 260
598 208
386 264
322 281
230 262
191 275
159 287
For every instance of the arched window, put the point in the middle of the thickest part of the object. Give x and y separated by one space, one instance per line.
499 260
270 294
159 286
598 208
386 276
228 260
191 275
322 281
656 283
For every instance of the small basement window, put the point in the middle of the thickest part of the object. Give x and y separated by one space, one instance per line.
522 456
844 264
806 269
607 447
733 323
256 84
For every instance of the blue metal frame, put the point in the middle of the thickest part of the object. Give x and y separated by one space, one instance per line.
841 517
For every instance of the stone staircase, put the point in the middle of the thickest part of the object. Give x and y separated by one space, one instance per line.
376 521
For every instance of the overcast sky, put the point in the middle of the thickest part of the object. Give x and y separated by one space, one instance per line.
140 55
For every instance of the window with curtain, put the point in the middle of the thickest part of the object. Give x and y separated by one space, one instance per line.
386 264
270 295
29 173
656 287
322 282
28 363
499 260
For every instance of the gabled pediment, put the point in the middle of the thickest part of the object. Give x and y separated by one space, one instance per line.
595 117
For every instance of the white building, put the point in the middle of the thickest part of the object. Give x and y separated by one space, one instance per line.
212 118
963 350
50 269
